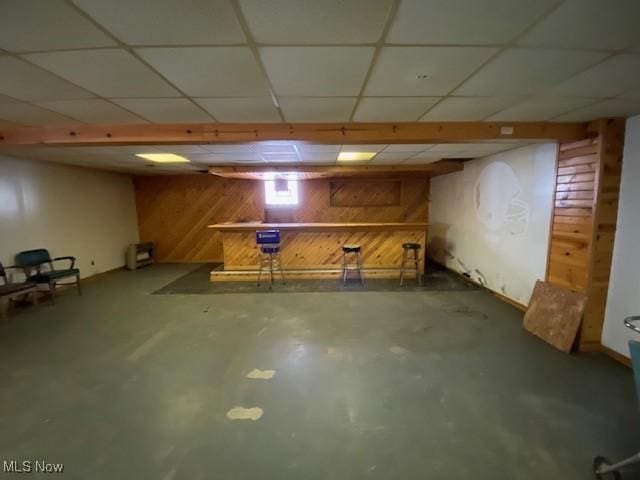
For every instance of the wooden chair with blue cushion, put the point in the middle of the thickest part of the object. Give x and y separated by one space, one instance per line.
12 290
39 268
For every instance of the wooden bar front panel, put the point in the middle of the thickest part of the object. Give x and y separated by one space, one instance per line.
321 249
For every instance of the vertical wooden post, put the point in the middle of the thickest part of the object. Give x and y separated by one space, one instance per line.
584 220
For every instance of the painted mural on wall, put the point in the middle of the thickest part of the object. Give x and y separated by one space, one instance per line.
497 200
491 221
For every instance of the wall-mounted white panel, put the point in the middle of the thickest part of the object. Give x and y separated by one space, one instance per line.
491 220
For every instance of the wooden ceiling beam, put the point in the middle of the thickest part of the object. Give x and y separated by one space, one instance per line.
323 133
310 172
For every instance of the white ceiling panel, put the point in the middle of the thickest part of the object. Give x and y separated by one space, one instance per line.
605 108
423 71
469 109
280 157
108 72
256 109
460 22
316 71
484 149
165 110
312 148
524 71
92 111
27 25
403 148
209 71
169 22
241 157
21 80
26 114
363 148
384 158
540 109
313 21
588 24
230 148
392 109
205 158
281 147
309 109
319 157
610 78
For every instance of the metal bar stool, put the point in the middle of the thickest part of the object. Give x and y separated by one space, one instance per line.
415 248
353 250
269 242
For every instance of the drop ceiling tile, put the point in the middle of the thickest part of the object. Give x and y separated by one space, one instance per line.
319 157
27 25
26 114
484 149
363 148
280 157
588 24
310 148
443 148
313 21
241 157
92 111
257 109
5 99
283 147
108 72
205 158
391 158
165 110
520 71
209 71
230 148
398 70
610 78
465 109
470 22
392 109
413 148
316 71
603 109
169 22
182 149
21 80
310 109
540 109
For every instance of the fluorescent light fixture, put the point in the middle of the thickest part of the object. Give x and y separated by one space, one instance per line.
163 157
355 156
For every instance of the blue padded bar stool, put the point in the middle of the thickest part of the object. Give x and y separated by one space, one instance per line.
415 256
269 243
351 251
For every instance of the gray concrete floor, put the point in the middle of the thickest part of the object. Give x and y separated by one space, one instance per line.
121 384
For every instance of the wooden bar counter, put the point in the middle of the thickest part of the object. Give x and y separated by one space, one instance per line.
314 250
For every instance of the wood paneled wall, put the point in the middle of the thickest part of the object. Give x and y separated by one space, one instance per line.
174 211
584 220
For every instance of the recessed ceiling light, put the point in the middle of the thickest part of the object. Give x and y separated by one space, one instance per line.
355 156
163 157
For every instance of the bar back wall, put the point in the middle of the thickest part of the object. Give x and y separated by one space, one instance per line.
174 211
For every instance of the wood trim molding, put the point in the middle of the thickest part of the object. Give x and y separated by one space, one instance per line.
328 133
336 171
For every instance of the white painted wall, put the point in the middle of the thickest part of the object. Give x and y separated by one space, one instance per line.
492 219
624 286
68 210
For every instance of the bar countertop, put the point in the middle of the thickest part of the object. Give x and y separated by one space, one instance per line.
244 226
